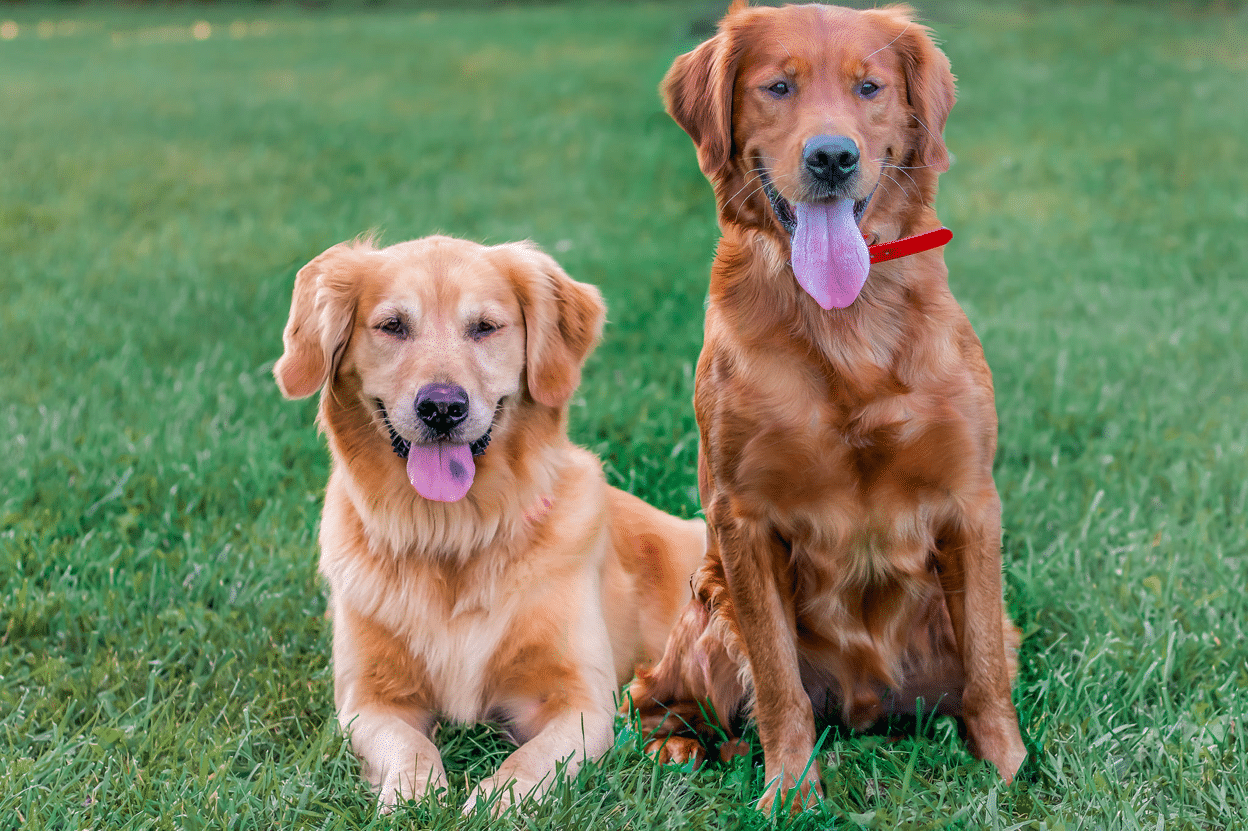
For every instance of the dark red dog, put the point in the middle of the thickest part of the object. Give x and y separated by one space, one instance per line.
846 411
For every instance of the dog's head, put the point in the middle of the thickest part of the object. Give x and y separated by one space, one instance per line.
807 117
434 339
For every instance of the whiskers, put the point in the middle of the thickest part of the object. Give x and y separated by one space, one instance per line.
886 164
755 175
896 179
755 181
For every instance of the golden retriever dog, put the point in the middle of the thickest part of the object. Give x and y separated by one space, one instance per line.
479 566
846 411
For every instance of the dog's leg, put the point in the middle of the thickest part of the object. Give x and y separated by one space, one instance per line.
754 560
400 761
969 560
573 735
383 706
696 688
559 710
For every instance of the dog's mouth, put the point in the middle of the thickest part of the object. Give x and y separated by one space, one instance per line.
441 469
828 253
785 211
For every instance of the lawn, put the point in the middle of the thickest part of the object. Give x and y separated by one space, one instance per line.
164 171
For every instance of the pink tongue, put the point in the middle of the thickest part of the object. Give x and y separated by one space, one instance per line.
441 471
829 255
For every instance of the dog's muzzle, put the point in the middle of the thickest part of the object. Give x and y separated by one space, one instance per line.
402 447
784 209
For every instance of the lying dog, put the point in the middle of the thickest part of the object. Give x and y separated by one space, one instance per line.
845 408
479 566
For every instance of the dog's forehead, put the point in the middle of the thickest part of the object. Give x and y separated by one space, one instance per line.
439 275
818 39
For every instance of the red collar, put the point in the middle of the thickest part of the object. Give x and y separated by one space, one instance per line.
908 245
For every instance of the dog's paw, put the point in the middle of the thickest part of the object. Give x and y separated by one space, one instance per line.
396 788
784 793
677 751
496 795
390 793
483 800
735 747
1002 746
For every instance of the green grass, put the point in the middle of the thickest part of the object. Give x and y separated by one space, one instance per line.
163 655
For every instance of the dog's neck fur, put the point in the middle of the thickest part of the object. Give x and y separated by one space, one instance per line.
753 259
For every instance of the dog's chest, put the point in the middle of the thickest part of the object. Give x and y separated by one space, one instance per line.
880 481
454 634
860 596
862 480
791 430
872 511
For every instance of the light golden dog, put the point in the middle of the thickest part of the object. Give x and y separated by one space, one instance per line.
845 408
479 566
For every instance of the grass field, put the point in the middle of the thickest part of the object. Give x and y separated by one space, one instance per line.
164 172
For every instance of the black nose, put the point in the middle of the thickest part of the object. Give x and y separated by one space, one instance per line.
831 159
442 406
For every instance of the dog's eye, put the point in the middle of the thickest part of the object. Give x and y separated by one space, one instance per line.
868 89
779 89
483 329
393 326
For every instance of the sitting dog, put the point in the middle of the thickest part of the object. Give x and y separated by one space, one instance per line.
845 408
479 566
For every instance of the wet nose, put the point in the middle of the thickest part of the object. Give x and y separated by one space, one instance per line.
831 159
442 406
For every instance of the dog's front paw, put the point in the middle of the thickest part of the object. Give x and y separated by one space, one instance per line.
1000 745
387 800
784 792
496 795
391 792
396 787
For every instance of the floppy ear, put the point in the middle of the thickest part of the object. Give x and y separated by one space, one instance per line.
322 310
562 320
929 86
697 92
